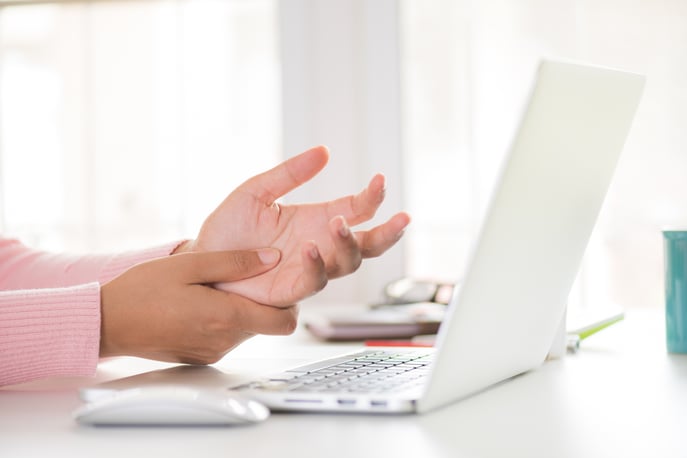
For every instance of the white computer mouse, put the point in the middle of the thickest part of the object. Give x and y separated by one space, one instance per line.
171 405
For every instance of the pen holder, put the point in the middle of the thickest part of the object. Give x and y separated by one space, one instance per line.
675 257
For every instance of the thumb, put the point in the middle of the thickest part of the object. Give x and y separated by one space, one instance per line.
224 266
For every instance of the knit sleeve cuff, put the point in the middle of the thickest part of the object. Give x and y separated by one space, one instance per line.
49 332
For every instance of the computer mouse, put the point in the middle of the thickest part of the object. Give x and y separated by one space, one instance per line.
172 405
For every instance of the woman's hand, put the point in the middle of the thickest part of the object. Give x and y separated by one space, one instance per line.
316 240
164 309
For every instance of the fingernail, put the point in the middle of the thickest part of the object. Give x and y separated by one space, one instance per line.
314 253
268 255
344 231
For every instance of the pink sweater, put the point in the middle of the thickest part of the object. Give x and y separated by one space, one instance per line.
50 309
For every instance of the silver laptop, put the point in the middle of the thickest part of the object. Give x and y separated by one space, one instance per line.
502 320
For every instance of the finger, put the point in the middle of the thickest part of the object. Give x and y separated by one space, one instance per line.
347 256
314 275
287 176
360 207
223 266
268 320
254 318
379 239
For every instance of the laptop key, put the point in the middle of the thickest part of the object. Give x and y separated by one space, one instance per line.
327 363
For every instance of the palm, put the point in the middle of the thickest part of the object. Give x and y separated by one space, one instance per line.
282 227
293 229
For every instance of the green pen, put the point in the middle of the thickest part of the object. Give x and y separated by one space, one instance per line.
578 335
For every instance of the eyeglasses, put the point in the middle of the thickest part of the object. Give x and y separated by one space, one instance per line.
408 290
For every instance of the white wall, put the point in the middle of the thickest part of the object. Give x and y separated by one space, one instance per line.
340 72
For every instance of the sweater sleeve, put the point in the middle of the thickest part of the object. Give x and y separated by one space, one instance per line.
50 309
25 268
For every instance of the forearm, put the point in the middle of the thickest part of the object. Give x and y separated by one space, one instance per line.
50 311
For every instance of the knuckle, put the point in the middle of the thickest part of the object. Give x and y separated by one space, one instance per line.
322 282
218 339
211 358
240 262
200 358
289 321
189 262
290 326
357 261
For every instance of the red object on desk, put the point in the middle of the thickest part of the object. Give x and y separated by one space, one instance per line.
397 343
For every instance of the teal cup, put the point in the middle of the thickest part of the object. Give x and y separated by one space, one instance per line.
675 258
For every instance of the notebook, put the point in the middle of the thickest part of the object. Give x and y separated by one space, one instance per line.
502 319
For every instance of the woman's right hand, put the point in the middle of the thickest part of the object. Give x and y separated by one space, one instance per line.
166 309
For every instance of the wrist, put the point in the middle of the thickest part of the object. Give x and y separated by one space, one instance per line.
111 323
105 347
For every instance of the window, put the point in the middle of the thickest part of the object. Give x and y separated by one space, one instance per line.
122 124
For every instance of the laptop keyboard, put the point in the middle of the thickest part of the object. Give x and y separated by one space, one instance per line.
371 371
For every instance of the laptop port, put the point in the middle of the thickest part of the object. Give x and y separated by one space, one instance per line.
378 403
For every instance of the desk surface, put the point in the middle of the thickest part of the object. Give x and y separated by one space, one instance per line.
621 395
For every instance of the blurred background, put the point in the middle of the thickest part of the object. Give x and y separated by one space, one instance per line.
124 123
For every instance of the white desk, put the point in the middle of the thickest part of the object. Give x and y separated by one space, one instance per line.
620 396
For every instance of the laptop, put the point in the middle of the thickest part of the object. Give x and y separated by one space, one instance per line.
502 319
